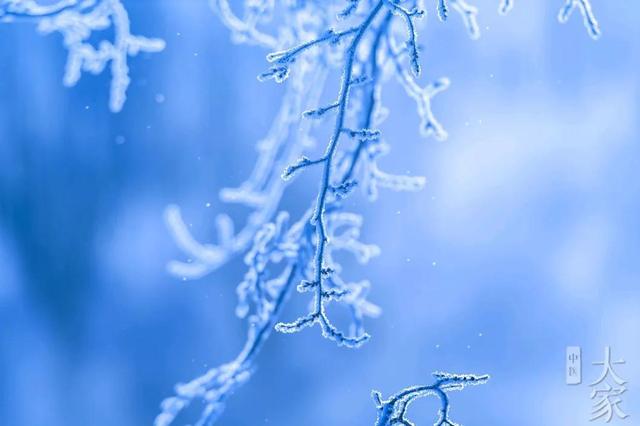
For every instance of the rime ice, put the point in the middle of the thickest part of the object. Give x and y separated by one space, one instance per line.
367 43
76 21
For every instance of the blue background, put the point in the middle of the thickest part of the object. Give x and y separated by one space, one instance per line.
525 241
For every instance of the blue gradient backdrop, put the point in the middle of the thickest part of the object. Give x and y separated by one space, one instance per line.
525 241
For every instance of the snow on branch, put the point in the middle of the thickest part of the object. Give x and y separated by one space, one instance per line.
590 22
467 12
588 17
367 43
77 21
393 411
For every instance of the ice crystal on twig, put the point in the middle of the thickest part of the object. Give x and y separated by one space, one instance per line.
393 411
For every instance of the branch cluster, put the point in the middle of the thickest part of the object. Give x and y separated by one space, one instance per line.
77 21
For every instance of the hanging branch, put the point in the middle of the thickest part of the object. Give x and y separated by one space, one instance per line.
364 45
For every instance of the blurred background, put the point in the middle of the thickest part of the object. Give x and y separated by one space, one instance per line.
525 241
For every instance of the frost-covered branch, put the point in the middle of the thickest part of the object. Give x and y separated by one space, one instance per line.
366 137
285 142
368 42
78 21
590 21
317 315
272 243
421 95
244 30
259 301
393 411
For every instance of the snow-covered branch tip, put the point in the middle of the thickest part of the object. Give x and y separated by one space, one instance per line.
393 411
77 21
